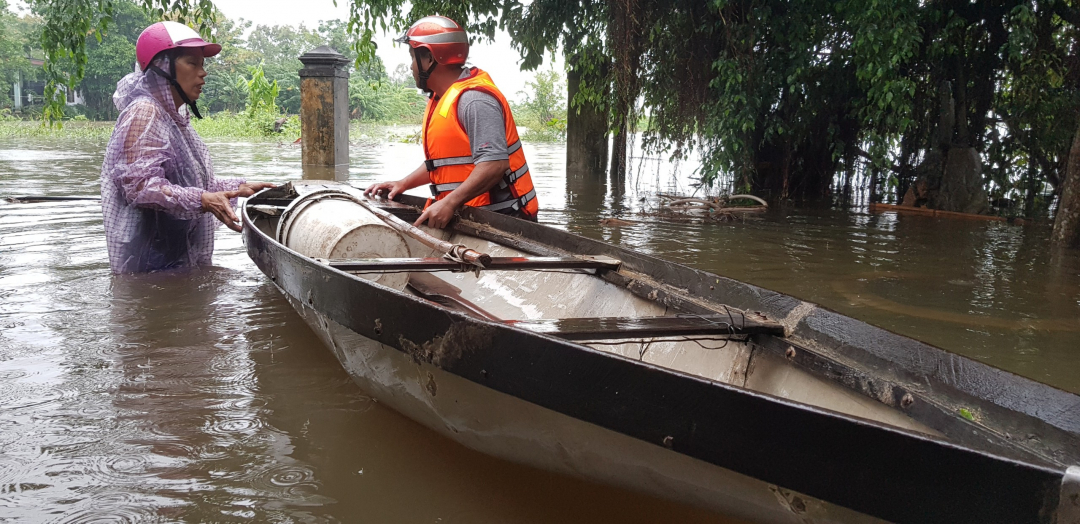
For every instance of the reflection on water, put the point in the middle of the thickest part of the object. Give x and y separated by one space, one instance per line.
203 397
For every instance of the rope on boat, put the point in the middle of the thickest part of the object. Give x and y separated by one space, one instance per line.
457 253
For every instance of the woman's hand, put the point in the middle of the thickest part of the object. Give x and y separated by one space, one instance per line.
218 204
250 188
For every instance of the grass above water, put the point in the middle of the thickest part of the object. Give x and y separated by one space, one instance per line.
220 125
72 130
242 126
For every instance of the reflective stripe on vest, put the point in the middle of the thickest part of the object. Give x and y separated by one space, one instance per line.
433 163
448 151
516 204
512 176
508 180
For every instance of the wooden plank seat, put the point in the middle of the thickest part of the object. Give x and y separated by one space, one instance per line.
502 263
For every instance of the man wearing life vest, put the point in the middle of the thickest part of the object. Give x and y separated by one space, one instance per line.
473 153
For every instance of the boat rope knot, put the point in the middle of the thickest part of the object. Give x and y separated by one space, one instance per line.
468 259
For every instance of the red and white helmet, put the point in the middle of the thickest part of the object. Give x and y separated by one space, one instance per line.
442 36
163 36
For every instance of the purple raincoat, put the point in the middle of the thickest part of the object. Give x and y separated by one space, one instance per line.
155 171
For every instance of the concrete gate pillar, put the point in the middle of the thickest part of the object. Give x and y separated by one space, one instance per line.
324 114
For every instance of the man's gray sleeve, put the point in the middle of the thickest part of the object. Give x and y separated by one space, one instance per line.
481 116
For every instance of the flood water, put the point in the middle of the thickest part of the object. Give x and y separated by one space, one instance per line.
201 396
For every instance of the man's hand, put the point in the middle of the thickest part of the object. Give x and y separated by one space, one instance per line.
250 188
388 190
218 204
438 214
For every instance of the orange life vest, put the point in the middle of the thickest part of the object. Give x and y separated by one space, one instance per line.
449 156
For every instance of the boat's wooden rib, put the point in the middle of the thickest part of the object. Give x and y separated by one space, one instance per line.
950 440
601 328
443 264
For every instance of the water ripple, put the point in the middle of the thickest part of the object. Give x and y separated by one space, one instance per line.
112 508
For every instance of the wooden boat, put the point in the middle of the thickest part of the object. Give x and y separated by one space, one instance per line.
579 357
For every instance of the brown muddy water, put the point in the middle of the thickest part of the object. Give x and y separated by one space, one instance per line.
201 396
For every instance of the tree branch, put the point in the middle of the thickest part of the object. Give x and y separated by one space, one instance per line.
892 167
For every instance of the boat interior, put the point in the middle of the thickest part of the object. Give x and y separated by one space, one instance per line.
596 302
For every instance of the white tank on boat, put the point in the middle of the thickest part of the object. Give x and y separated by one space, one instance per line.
330 224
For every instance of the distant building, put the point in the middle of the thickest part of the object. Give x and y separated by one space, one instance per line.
31 92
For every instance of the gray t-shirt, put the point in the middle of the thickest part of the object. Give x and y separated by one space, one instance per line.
481 116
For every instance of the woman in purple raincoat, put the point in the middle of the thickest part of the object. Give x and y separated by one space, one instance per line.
159 196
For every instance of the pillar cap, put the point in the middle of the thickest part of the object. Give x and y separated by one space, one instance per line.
323 60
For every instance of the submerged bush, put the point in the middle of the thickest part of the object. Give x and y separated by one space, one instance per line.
543 113
554 130
80 129
261 124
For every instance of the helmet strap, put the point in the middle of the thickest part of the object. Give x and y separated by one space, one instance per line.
424 75
171 77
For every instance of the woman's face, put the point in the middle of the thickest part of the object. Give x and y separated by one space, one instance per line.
190 73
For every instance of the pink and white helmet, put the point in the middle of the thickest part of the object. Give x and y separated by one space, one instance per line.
163 36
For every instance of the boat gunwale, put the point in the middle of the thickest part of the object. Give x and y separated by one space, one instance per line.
814 450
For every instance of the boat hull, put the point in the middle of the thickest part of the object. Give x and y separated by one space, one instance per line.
503 426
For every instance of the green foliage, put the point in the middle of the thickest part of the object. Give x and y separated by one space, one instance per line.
385 101
279 48
543 112
109 59
547 99
222 91
17 37
73 130
260 125
261 93
220 125
375 97
70 23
